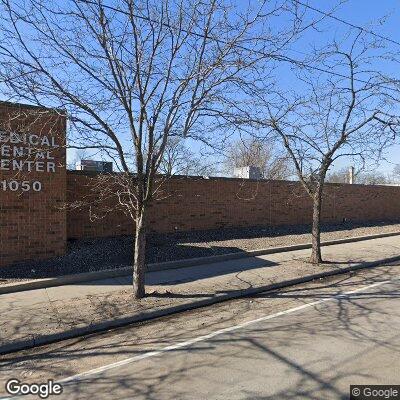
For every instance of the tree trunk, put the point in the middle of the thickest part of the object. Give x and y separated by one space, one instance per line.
139 258
316 257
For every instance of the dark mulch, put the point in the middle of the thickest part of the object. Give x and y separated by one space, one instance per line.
117 252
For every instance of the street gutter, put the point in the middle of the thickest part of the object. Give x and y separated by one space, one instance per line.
80 330
83 330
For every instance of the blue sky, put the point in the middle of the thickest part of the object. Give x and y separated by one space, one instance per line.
362 12
381 17
365 13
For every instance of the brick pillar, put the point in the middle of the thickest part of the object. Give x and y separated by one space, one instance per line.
32 183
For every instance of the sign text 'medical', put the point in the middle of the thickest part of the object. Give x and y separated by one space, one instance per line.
25 152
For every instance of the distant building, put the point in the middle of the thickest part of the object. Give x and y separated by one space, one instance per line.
249 172
97 166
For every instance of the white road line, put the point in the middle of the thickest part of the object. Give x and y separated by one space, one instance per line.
187 343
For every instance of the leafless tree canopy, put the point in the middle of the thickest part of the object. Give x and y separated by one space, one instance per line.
375 177
396 173
178 159
133 74
262 154
349 109
349 114
339 176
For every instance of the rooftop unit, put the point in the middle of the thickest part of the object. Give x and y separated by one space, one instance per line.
249 172
97 166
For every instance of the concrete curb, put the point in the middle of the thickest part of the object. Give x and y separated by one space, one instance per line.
82 330
189 262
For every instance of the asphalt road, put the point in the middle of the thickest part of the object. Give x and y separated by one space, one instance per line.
304 342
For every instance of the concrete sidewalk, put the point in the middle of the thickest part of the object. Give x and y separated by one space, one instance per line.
40 316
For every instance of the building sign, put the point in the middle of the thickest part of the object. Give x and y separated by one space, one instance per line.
24 153
32 183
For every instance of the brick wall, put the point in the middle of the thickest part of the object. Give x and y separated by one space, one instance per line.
32 225
35 225
196 203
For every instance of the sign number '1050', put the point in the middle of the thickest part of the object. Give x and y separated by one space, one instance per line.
24 186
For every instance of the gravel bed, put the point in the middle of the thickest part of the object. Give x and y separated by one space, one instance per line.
116 252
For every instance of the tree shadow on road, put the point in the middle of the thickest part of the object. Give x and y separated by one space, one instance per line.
297 357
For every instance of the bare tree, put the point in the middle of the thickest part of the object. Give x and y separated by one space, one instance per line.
339 176
396 173
178 159
262 154
132 75
375 177
345 110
